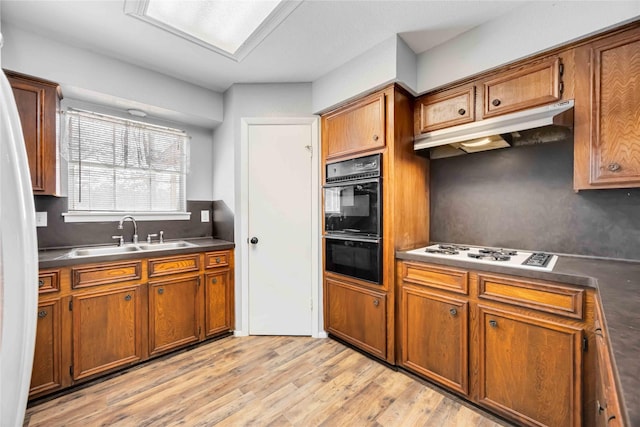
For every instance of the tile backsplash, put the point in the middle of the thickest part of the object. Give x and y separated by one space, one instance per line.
58 233
522 197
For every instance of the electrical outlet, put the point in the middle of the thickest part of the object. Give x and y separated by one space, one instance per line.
204 216
41 219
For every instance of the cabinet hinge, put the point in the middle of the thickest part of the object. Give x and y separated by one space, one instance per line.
71 305
585 344
561 69
71 370
199 330
561 88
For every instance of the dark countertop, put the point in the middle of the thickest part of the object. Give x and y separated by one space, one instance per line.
618 283
52 258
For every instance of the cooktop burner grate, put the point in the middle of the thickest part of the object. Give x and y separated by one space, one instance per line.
506 252
443 251
492 256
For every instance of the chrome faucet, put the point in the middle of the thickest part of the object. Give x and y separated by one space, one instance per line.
135 226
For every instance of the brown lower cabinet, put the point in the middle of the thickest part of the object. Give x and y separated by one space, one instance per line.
107 330
497 340
102 317
46 372
173 313
357 315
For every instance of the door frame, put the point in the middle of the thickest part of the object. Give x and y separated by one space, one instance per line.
317 330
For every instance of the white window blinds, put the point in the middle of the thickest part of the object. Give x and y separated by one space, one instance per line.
119 165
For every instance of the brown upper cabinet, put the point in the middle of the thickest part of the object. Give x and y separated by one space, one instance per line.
356 128
607 148
445 109
529 86
37 101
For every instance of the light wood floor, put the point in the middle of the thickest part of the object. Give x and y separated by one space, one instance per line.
258 381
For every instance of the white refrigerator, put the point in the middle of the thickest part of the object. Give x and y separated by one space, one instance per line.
18 264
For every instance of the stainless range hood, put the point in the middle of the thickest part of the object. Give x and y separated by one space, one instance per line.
497 132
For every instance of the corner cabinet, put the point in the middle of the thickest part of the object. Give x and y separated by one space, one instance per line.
512 345
37 101
97 318
606 145
356 311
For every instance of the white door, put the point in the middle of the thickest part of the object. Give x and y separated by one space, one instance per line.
280 224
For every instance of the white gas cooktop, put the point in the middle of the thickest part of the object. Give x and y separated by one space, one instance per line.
540 261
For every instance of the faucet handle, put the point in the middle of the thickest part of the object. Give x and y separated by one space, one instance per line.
161 236
150 236
120 240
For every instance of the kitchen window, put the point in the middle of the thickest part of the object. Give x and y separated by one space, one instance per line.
118 166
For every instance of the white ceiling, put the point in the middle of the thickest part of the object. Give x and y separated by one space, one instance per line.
317 37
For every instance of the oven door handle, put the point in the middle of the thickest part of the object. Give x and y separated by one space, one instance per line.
347 182
355 238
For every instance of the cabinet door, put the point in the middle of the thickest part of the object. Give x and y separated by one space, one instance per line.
46 373
531 86
107 330
218 296
173 314
356 128
37 101
357 315
442 110
435 337
615 110
530 369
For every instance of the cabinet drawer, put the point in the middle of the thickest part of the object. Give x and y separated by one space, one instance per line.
542 296
449 279
531 86
104 274
445 109
216 259
173 265
49 281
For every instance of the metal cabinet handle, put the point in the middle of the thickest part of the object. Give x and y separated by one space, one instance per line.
376 302
127 298
214 280
160 291
462 111
40 283
453 311
614 167
493 323
376 137
42 314
217 260
496 102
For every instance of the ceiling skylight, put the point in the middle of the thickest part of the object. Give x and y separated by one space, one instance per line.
230 27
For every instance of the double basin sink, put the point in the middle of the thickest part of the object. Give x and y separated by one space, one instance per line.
128 248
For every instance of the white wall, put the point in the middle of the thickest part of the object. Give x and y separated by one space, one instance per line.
533 28
88 76
248 100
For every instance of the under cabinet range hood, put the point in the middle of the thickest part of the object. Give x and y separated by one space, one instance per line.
536 125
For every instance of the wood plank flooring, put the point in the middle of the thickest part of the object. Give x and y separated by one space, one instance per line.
259 381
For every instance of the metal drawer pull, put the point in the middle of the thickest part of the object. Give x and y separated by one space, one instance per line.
42 314
462 111
160 291
218 260
127 298
453 311
496 102
376 302
493 323
214 280
40 283
614 167
376 137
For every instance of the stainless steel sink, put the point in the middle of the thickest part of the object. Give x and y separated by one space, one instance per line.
166 245
103 250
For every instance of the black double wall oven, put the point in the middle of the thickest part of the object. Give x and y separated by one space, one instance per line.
353 218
